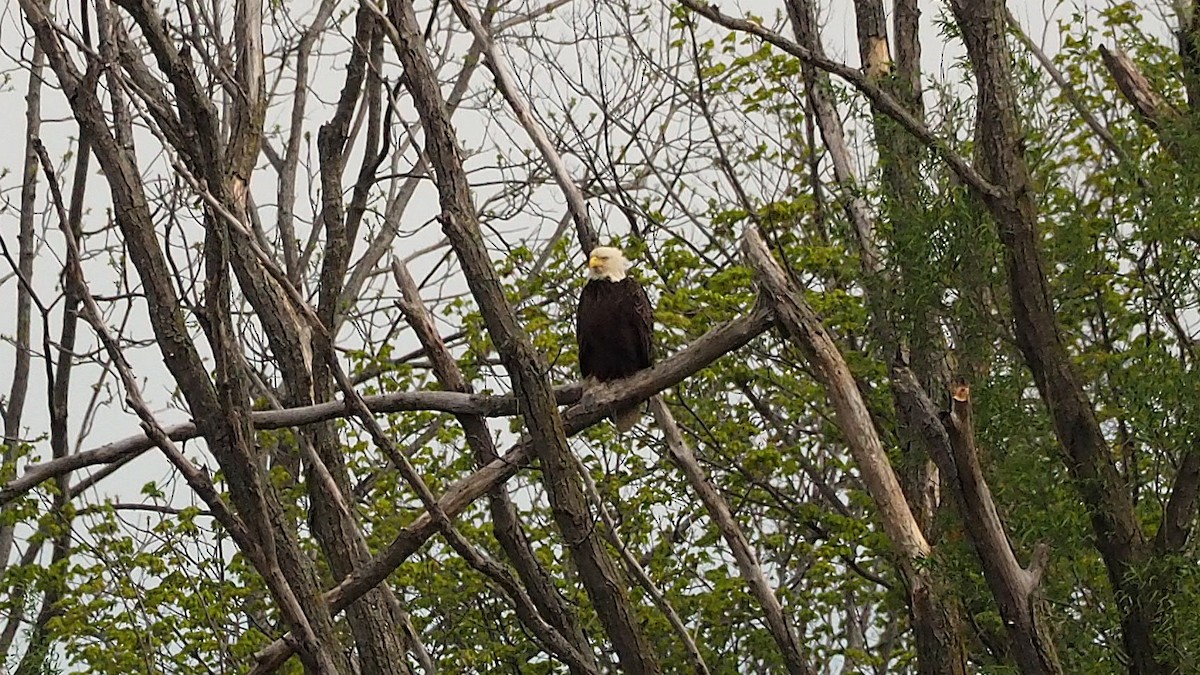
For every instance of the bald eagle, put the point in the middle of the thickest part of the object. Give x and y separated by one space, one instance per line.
613 326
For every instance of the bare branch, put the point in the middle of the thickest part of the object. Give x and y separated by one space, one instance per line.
12 410
507 86
745 555
1067 88
721 340
884 101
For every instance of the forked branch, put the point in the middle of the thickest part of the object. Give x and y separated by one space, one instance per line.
728 337
950 438
884 101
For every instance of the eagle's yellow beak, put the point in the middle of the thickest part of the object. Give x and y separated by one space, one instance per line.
595 262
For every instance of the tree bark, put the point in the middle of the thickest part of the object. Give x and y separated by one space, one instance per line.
914 322
935 620
1119 537
951 439
376 618
1136 89
221 412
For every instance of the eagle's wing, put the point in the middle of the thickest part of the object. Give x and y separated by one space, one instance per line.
645 327
582 339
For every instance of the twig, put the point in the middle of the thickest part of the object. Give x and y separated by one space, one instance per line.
884 101
745 555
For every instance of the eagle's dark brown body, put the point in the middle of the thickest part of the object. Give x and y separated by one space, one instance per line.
614 327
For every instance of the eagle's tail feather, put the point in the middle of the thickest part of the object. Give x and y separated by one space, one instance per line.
625 418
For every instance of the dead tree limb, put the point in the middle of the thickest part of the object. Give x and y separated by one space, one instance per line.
701 352
802 326
743 553
527 369
805 329
951 439
1133 85
899 158
915 326
722 340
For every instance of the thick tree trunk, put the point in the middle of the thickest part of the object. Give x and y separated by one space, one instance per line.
1119 536
914 325
526 367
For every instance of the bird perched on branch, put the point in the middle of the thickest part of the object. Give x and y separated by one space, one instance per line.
614 326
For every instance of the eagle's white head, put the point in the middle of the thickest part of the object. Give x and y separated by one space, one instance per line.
607 262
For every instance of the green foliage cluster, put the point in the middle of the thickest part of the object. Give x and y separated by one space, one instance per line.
167 594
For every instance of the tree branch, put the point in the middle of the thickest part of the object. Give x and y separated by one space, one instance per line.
743 553
720 341
507 86
804 328
1000 142
506 521
699 354
1136 89
885 102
